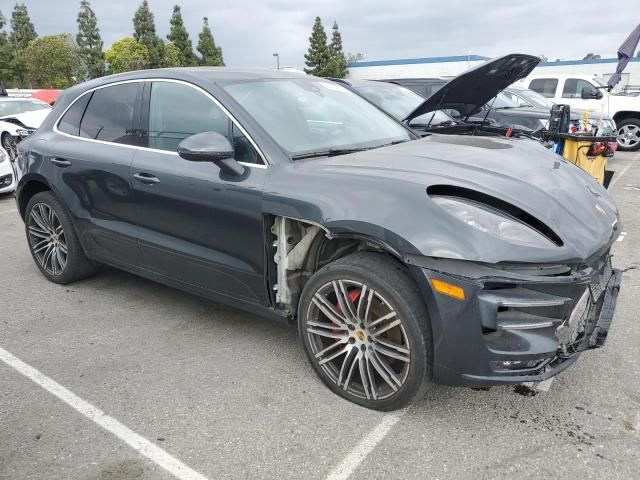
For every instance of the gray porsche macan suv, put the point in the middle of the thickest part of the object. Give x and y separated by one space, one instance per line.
456 259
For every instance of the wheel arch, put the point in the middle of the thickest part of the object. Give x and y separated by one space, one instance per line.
300 247
28 189
626 115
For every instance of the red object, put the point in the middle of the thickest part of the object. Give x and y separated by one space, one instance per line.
50 96
596 149
509 132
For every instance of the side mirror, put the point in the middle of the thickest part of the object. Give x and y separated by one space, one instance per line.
211 147
590 94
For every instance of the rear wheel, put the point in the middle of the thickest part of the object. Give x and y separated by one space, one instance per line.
629 134
366 331
53 242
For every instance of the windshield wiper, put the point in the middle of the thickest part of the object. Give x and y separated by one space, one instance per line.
333 152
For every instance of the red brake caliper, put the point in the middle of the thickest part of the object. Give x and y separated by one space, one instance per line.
354 296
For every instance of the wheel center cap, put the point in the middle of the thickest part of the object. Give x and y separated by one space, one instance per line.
360 335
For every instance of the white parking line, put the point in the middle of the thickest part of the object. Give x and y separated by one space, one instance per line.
143 446
619 175
352 461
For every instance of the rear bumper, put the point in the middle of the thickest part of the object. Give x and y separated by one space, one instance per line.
516 327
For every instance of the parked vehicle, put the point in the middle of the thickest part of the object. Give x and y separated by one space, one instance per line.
48 95
464 260
399 102
7 178
19 117
513 107
587 92
425 87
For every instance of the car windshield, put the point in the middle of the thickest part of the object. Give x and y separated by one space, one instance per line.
534 98
14 107
310 115
600 81
400 102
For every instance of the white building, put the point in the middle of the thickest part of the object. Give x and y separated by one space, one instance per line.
451 66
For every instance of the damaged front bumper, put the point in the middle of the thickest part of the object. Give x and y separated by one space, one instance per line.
517 323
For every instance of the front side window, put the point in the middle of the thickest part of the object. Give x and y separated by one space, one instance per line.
177 111
305 115
573 88
110 114
544 86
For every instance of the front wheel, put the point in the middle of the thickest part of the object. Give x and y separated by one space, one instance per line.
628 134
366 332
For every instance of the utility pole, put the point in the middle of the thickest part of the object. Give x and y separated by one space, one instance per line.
277 55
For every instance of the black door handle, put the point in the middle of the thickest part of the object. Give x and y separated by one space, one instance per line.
60 162
146 178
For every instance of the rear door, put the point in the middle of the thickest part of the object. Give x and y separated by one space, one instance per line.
92 169
198 226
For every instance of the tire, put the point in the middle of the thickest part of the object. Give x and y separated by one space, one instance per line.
628 134
395 335
52 240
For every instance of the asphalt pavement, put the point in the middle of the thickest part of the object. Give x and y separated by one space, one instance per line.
119 378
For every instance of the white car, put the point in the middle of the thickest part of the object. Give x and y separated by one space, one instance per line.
588 92
7 175
19 117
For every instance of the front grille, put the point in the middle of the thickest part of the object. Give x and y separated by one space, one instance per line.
574 332
544 317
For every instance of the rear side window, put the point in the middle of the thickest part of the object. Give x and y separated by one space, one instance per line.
177 111
544 86
573 88
110 114
70 121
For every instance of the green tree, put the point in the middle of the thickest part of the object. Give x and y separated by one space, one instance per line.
127 54
5 54
318 56
22 32
144 32
337 66
90 41
54 61
172 56
179 36
209 54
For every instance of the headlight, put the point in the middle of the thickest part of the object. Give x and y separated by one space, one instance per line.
493 222
22 132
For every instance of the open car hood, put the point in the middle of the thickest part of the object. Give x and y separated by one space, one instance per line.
472 89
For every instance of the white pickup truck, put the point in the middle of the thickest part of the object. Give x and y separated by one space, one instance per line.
587 92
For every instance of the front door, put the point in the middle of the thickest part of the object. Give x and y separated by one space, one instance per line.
93 155
197 226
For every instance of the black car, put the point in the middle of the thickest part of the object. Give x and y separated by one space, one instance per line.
425 87
457 259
